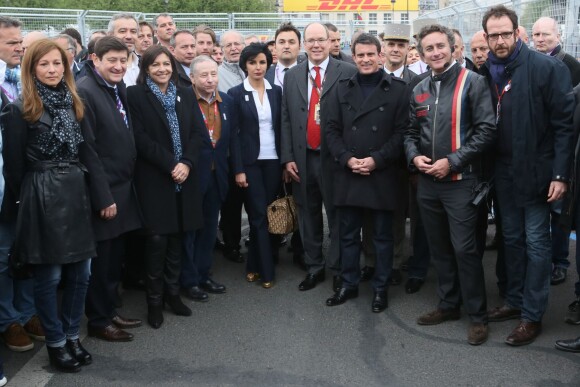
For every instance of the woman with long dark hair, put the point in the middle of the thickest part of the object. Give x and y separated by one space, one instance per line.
165 175
42 141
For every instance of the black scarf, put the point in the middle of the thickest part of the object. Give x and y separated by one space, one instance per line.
63 138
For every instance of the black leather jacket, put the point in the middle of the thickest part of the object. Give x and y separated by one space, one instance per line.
451 115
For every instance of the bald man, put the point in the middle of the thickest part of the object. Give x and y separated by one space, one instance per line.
30 38
524 35
479 49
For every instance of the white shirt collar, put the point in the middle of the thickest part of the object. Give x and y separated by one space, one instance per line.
398 72
323 65
249 87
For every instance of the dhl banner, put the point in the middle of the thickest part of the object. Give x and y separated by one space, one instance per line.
349 5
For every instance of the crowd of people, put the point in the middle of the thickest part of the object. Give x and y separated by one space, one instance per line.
123 162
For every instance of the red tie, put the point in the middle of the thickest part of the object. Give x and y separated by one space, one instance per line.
312 128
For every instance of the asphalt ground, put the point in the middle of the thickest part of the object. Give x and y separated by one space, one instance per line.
251 336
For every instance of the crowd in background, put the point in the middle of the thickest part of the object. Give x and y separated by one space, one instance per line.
128 163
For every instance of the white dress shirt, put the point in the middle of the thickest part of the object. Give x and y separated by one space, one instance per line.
267 136
323 66
279 73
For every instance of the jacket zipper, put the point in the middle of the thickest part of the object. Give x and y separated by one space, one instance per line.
438 87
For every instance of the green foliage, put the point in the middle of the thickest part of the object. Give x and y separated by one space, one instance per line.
152 6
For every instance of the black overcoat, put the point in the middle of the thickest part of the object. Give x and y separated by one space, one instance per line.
155 161
359 127
109 154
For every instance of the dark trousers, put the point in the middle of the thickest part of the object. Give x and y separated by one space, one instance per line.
105 276
198 245
310 217
264 178
419 261
350 225
450 222
162 265
231 217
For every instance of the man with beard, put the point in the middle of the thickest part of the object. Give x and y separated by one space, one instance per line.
534 104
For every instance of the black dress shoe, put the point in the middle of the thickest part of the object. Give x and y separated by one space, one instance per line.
413 285
380 301
110 333
558 276
218 245
155 316
126 323
336 283
298 260
234 256
78 352
211 286
367 273
176 305
341 296
196 294
395 278
247 241
284 241
62 360
572 345
311 280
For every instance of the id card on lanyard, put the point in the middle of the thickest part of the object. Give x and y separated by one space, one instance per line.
499 98
210 130
319 92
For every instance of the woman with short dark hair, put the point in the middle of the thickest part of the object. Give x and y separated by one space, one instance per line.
165 175
257 106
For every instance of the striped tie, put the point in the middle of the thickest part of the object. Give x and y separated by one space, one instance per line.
120 107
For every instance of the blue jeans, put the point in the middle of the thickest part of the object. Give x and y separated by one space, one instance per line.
528 249
59 329
16 296
560 239
198 245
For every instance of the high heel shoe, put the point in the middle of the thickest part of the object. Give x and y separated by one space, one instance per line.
178 307
62 360
267 285
155 316
252 277
78 352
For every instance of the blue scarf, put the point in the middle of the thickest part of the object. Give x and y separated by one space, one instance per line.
497 66
168 102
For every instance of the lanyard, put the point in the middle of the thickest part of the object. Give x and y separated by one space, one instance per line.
210 129
315 86
8 95
499 97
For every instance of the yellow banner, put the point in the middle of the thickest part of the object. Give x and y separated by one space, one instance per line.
349 5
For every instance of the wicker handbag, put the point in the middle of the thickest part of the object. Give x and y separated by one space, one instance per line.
282 218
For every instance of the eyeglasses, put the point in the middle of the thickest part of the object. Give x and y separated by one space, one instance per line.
504 36
311 42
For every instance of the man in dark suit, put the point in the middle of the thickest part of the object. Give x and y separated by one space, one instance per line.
287 46
213 169
182 46
109 154
546 37
459 52
304 150
366 118
335 46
